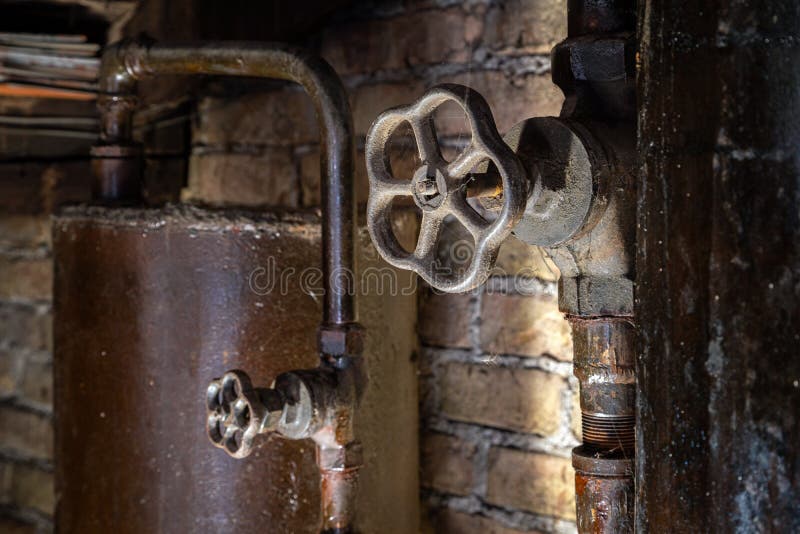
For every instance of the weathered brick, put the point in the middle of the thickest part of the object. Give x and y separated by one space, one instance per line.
371 100
310 173
12 368
26 433
535 482
25 278
447 464
67 182
6 474
417 38
37 382
511 99
159 131
525 26
278 117
520 259
525 400
529 325
25 325
309 168
403 162
33 488
164 178
24 232
444 319
449 521
17 146
243 179
38 187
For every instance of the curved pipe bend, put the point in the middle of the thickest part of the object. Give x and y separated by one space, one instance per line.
126 62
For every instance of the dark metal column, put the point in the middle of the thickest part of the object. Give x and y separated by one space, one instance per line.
595 68
718 267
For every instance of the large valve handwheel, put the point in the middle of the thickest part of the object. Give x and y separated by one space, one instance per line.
439 188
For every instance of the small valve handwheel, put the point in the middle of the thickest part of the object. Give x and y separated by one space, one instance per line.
438 188
234 413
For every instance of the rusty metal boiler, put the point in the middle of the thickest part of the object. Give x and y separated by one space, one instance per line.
149 304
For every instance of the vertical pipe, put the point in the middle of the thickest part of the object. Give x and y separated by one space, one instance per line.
604 362
338 488
597 77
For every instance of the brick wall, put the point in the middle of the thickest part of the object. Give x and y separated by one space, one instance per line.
36 173
499 410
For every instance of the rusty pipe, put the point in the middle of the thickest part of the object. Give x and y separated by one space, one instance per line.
126 62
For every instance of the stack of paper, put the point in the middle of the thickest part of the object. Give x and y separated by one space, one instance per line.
48 66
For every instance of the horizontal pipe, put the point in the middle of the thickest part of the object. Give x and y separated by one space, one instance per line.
126 62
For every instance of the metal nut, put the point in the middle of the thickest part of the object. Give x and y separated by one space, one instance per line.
346 340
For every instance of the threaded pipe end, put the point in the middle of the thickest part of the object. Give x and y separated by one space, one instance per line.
609 432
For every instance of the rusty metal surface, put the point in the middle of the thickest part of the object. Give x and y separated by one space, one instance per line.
604 491
144 316
170 305
339 467
604 494
718 270
439 188
604 363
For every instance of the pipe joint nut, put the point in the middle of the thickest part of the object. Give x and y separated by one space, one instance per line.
341 340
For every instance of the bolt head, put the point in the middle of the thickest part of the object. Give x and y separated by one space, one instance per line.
430 187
